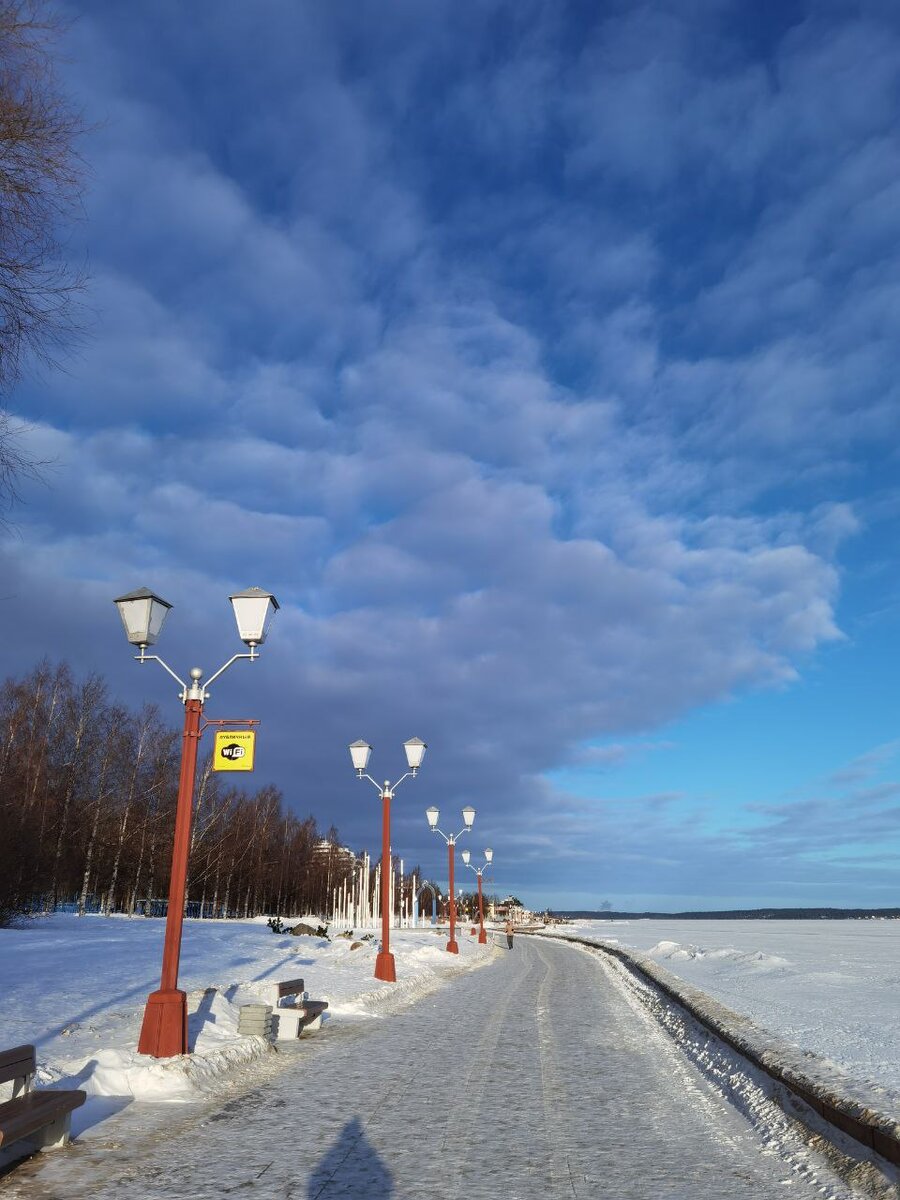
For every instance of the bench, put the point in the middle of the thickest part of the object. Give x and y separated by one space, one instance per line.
292 1019
42 1117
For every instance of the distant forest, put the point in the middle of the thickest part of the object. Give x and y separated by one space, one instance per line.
737 914
87 808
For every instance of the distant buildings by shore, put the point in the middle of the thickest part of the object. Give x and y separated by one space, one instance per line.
738 914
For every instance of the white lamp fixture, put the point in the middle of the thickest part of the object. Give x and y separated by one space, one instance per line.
489 855
143 614
432 814
359 754
415 751
468 814
466 855
253 610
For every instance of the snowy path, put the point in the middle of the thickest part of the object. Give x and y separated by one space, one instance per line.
531 1078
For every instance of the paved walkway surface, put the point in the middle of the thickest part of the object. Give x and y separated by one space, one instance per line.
529 1079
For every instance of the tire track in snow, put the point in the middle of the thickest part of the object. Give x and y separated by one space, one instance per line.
480 1071
483 1055
552 1089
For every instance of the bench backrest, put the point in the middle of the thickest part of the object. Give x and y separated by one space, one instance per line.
289 987
16 1063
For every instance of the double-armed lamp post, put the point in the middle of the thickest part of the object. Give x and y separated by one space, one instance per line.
164 1030
359 754
488 859
468 815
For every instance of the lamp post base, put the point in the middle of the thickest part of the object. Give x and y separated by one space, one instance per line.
384 968
482 938
164 1031
453 947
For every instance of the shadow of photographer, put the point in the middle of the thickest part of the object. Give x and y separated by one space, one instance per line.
351 1161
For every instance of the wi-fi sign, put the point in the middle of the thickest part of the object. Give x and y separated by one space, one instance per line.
234 750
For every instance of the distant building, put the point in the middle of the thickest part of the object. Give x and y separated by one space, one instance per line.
549 919
511 910
337 854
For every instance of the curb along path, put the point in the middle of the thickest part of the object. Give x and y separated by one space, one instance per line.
530 1079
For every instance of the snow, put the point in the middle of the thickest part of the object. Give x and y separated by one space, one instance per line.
76 987
829 987
770 1107
542 1076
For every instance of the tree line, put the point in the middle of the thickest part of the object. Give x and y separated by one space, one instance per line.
87 804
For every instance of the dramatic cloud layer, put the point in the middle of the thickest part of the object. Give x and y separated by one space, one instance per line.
540 358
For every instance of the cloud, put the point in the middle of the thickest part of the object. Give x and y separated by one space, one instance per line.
535 359
865 766
615 753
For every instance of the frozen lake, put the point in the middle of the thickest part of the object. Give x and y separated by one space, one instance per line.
832 987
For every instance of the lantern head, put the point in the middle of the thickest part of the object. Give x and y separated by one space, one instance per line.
415 751
143 614
253 610
359 755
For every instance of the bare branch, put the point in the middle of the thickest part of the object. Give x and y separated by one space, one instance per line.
40 190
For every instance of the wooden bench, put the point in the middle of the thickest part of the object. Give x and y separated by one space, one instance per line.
291 1019
42 1117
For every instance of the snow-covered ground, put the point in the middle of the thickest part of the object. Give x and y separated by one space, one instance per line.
831 987
544 1076
75 987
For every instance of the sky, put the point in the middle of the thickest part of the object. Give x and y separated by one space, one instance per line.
542 359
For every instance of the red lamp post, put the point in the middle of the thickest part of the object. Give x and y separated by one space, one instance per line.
164 1028
488 859
452 944
468 814
359 755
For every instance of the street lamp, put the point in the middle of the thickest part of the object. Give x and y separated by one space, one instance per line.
143 613
468 815
488 859
359 755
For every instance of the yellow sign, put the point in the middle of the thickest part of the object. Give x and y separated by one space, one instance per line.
234 749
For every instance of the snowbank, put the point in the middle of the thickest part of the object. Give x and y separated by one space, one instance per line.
75 987
675 952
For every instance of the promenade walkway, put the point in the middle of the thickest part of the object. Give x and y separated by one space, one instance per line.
534 1078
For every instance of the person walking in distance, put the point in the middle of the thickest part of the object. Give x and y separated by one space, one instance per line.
509 932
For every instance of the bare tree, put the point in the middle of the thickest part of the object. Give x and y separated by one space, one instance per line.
40 189
88 793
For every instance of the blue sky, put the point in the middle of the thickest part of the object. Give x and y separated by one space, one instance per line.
542 359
